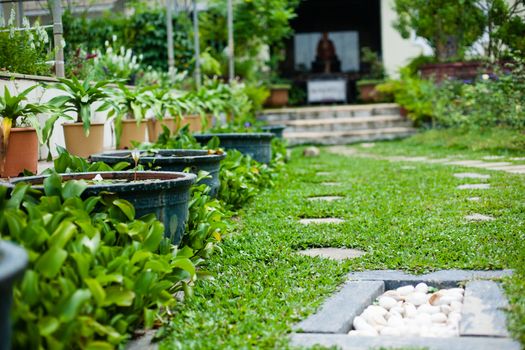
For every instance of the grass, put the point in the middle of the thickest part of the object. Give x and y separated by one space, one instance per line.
409 219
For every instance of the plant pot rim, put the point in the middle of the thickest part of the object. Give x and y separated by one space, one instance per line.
168 180
23 129
13 260
134 121
273 126
237 135
280 86
191 156
77 124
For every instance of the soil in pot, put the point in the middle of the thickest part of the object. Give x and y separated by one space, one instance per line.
78 144
22 152
256 145
172 160
131 131
166 194
155 127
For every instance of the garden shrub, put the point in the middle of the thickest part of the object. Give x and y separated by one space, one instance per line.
23 51
95 273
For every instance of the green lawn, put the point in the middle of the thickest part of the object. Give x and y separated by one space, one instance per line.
410 219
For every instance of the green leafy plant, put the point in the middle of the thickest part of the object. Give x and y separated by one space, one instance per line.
23 51
95 273
376 70
79 98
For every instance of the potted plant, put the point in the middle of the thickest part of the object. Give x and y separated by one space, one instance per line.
13 262
166 109
128 107
82 137
165 194
279 95
19 145
376 75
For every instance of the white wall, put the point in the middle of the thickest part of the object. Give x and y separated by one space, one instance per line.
41 94
396 50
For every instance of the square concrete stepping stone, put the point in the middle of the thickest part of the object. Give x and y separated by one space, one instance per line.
323 173
324 198
310 221
482 325
491 165
478 217
367 145
474 199
330 183
333 253
492 157
471 176
408 167
473 187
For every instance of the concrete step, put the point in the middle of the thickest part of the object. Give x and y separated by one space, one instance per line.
346 124
277 116
349 136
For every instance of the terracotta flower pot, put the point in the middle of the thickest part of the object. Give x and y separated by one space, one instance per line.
78 144
155 127
278 97
132 132
195 122
22 152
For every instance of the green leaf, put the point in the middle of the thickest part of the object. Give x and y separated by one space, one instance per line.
126 207
119 296
50 262
48 325
185 264
96 290
62 234
53 184
17 195
70 309
155 235
99 345
73 188
30 288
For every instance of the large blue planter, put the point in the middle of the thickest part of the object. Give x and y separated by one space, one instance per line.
13 262
171 160
256 145
166 194
277 130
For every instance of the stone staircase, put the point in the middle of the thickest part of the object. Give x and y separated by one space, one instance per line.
333 125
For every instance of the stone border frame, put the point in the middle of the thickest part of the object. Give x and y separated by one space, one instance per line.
480 327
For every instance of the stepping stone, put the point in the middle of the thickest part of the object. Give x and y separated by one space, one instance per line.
333 253
330 183
323 173
467 163
474 199
518 158
321 221
325 198
493 166
367 145
473 187
511 168
471 176
407 167
492 157
478 217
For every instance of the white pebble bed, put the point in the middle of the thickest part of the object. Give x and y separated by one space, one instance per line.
412 311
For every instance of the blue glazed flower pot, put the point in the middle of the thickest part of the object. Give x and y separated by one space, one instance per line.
171 160
13 262
165 194
277 130
256 145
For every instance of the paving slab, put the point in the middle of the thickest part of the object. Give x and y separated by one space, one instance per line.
338 311
491 165
310 221
330 183
483 310
323 173
333 253
367 144
473 187
324 198
474 199
467 163
471 176
478 217
493 157
346 342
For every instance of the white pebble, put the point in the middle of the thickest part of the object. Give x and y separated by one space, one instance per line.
387 302
410 311
422 288
423 319
456 306
417 298
446 309
439 318
454 317
378 309
373 318
397 310
456 290
396 322
428 309
361 325
392 294
406 290
390 331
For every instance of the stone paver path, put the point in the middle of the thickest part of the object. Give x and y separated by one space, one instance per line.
330 183
480 164
478 217
474 187
321 221
333 253
325 198
471 176
474 199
